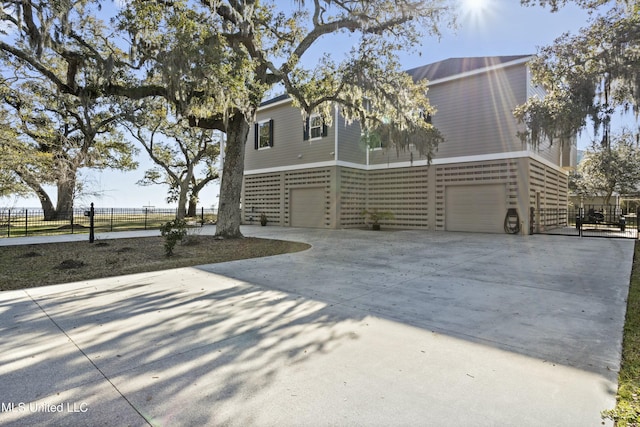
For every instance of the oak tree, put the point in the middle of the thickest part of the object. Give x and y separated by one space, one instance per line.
587 76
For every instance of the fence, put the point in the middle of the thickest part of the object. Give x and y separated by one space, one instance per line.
589 221
30 222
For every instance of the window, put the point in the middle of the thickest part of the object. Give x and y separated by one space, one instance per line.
315 128
263 133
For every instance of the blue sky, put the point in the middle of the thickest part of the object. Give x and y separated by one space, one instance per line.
485 28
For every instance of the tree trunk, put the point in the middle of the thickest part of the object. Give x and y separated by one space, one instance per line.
66 192
182 200
193 205
46 203
228 225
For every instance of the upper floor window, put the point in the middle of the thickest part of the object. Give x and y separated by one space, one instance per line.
315 128
263 134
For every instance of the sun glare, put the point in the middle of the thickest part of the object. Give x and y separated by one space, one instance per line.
476 12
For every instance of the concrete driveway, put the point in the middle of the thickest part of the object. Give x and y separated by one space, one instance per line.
366 328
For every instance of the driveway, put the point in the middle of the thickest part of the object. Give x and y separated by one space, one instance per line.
366 328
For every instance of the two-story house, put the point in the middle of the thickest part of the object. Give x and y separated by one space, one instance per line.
310 175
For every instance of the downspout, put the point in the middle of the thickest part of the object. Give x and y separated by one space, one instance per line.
335 148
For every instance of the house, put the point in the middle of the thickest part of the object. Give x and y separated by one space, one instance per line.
319 176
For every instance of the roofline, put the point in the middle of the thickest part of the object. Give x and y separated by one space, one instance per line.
482 70
273 102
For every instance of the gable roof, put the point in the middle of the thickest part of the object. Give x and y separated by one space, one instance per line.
443 69
455 66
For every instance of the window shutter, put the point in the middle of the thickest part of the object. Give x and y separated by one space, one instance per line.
271 133
255 135
427 118
325 129
305 130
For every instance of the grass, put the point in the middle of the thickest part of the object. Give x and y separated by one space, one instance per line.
33 224
627 411
52 263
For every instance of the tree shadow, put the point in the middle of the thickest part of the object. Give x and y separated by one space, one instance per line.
155 344
200 346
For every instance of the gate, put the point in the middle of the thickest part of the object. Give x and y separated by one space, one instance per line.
590 221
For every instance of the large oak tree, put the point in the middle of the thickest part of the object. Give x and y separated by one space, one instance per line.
215 61
588 76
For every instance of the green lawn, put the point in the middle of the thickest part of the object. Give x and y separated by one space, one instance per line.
627 412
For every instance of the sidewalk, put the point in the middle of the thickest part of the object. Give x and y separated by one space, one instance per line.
78 237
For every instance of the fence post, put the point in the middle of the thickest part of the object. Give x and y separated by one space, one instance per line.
202 216
91 224
145 217
581 216
111 226
26 222
71 221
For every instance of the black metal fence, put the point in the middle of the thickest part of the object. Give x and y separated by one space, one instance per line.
31 222
588 221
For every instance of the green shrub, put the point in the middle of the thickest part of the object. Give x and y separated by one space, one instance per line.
173 231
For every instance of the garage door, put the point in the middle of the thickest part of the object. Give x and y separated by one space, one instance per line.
479 208
308 207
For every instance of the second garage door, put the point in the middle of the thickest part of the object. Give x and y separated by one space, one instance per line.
308 207
479 208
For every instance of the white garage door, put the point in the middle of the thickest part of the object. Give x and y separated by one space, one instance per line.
308 207
479 208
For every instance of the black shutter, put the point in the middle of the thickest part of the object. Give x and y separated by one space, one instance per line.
325 129
255 135
305 130
271 133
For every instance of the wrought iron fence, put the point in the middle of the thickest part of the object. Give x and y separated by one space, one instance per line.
588 221
31 222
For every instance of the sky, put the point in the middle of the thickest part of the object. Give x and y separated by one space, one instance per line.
485 28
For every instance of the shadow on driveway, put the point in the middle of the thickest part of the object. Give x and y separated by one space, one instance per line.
397 328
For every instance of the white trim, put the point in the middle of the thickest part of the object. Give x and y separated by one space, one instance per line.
275 104
422 162
291 168
481 70
315 138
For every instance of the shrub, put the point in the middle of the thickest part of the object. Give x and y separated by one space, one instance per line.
173 231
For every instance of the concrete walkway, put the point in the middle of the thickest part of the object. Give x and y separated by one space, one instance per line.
366 328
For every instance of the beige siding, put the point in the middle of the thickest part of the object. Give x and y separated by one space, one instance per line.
391 155
551 152
475 113
350 149
289 147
